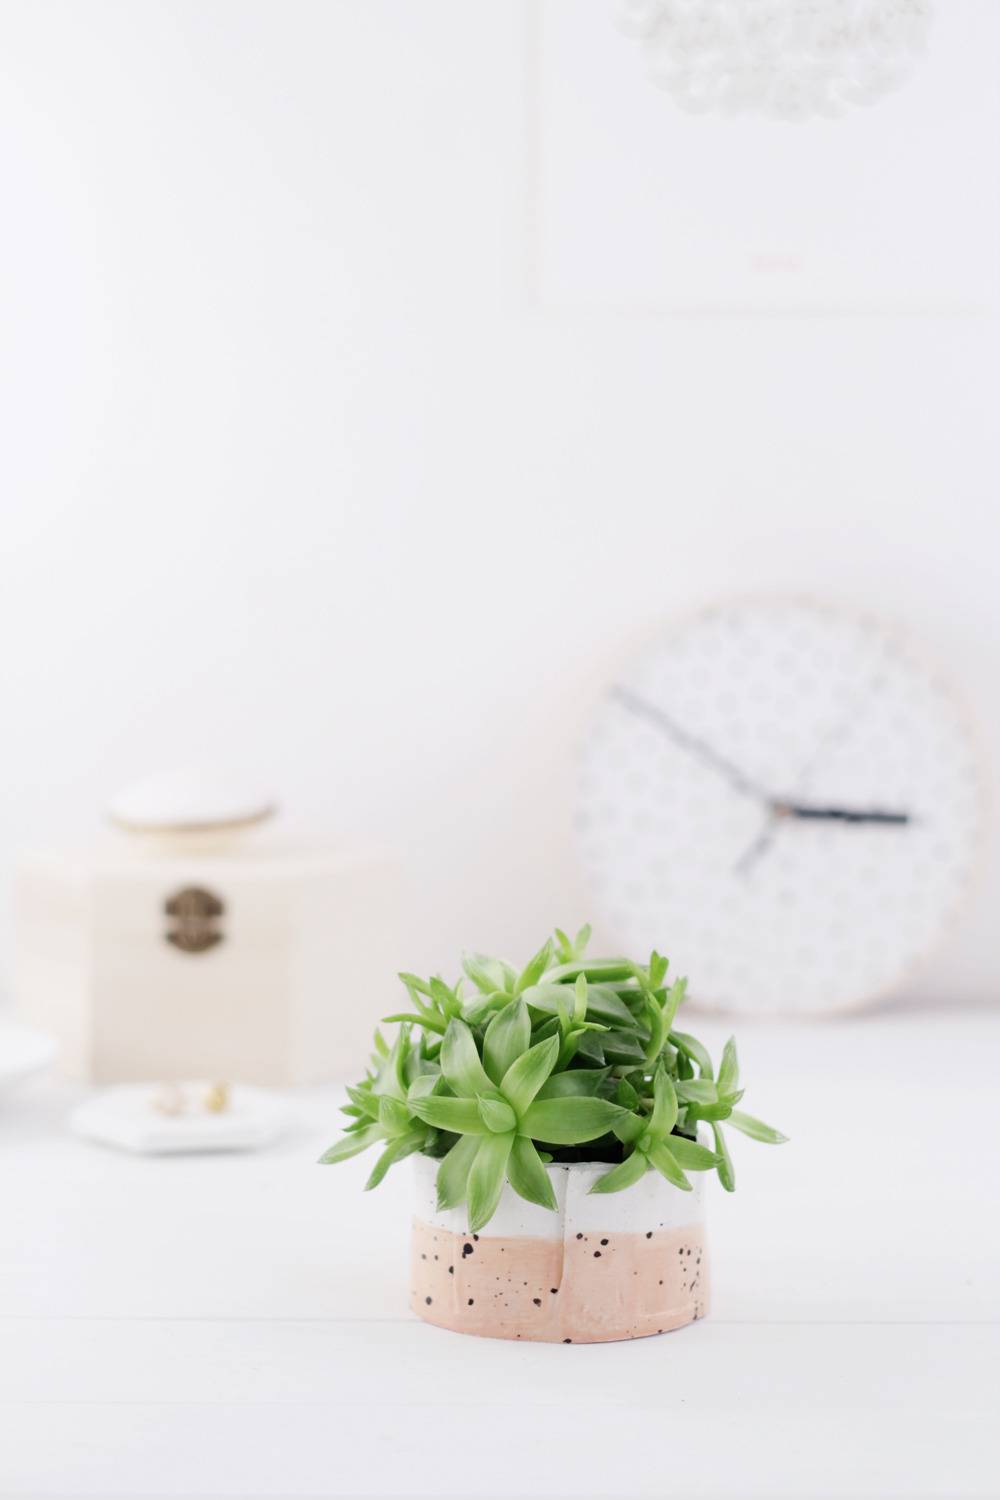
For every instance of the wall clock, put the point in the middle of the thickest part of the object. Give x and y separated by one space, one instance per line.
784 799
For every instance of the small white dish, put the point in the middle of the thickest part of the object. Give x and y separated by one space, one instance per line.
127 1117
191 801
23 1051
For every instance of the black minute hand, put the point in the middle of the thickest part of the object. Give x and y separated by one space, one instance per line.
840 814
699 748
707 753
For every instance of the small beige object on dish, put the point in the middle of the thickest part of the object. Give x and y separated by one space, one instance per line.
171 1099
604 1266
142 1118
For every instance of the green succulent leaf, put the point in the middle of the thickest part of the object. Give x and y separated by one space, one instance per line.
507 1036
459 1115
569 1122
352 1145
621 1047
460 1061
480 1005
415 985
756 1129
697 1091
591 1046
571 949
527 1175
597 970
496 1115
626 1095
727 1175
690 1155
578 1083
419 1060
567 1050
487 1177
729 1068
426 1018
489 974
672 1004
423 1085
720 1111
692 1048
453 1173
666 1163
625 1175
404 1145
657 970
448 1000
664 1115
524 1078
629 1128
564 946
603 1004
534 968
658 1029
365 1100
393 1116
389 1079
546 998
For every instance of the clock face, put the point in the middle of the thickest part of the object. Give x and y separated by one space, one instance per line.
783 800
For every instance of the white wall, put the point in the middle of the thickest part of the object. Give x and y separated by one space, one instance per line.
305 465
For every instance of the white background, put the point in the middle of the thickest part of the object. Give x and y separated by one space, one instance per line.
342 439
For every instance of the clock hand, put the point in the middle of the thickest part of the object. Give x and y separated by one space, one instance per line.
835 733
777 807
803 810
841 814
753 851
687 741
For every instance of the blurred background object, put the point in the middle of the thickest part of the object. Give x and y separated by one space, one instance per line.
791 793
171 1119
192 941
789 59
374 374
23 1052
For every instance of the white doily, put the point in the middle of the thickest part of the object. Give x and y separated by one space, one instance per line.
786 59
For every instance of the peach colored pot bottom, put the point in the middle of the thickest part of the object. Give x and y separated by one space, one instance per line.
592 1289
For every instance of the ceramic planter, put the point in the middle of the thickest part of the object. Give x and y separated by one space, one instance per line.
602 1267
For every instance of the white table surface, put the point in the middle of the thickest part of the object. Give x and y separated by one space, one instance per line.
237 1325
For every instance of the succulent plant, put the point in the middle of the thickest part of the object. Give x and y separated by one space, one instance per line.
568 1059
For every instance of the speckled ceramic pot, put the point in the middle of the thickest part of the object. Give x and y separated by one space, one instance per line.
612 1266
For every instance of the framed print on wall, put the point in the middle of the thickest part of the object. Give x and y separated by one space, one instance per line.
634 206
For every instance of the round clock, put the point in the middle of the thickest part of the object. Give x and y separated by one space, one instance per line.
783 799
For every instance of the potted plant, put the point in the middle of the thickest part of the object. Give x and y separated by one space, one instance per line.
553 1118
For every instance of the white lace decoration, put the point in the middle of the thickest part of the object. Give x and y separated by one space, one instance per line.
784 59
